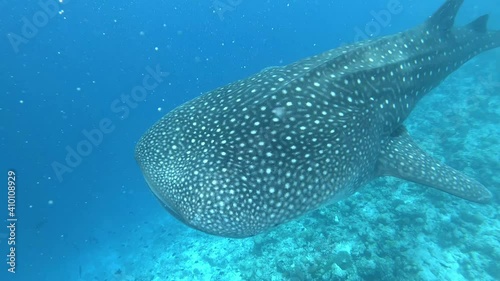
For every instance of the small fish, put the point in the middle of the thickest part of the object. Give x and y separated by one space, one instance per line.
264 150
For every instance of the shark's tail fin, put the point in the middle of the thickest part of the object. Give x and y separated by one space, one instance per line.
443 20
480 25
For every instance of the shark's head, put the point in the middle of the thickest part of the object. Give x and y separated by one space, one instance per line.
187 161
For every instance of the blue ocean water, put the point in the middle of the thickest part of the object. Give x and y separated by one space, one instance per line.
67 68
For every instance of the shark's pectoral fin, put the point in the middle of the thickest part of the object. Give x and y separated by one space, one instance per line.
401 157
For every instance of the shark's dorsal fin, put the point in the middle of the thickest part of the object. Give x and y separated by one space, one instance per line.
444 18
480 24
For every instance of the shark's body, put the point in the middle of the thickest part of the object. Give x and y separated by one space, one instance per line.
264 150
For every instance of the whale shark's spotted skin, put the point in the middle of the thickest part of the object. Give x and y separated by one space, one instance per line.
264 150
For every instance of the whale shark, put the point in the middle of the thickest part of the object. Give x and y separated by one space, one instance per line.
262 151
